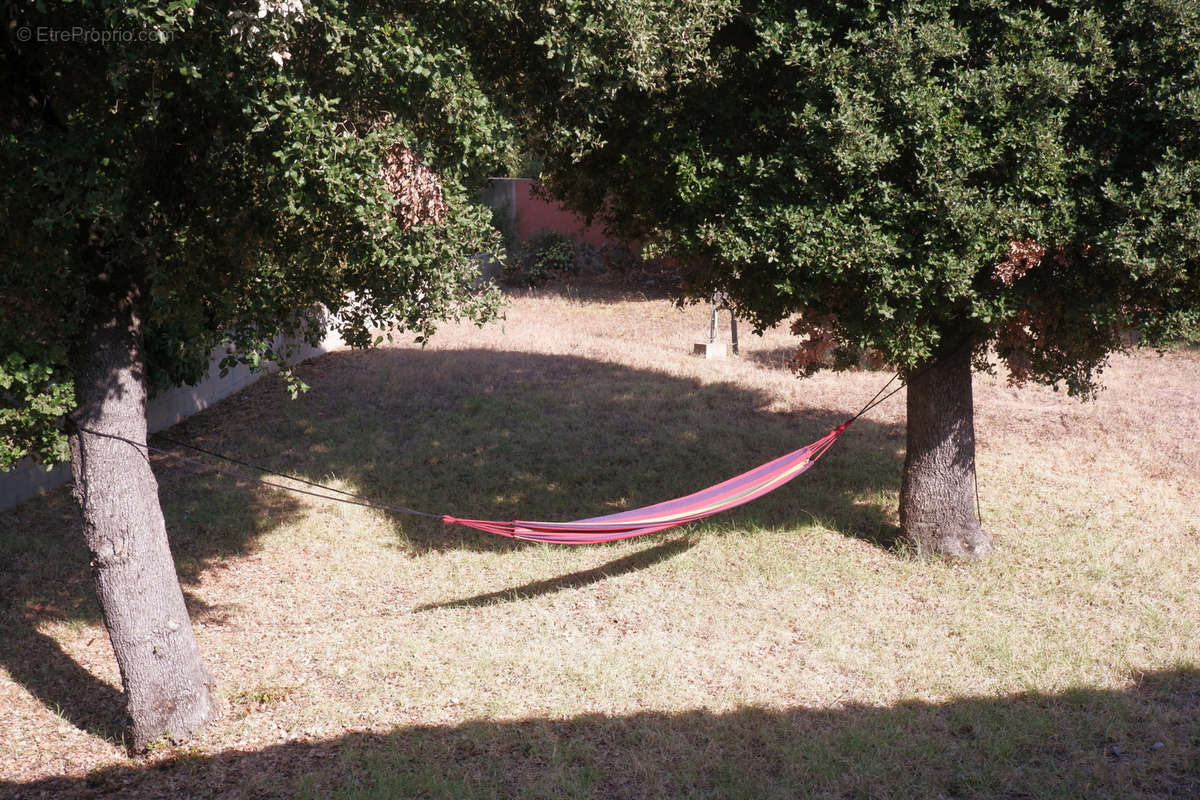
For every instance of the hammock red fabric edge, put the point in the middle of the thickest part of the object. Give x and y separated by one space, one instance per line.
736 491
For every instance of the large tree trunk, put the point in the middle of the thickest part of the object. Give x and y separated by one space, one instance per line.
937 494
168 690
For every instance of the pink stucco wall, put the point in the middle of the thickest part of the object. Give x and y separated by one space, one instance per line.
533 215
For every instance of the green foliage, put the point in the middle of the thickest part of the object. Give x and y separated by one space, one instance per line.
33 404
228 166
564 67
910 176
544 257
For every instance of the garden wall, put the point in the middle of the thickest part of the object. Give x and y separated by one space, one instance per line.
28 479
520 214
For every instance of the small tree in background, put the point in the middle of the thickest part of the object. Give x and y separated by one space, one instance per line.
938 183
186 176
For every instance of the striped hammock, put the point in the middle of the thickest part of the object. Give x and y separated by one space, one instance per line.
660 516
594 530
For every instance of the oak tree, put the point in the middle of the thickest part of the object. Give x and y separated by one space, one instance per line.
943 184
182 176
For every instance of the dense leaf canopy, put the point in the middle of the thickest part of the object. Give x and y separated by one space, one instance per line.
907 176
243 165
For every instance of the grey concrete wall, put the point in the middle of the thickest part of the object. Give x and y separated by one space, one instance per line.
501 196
27 479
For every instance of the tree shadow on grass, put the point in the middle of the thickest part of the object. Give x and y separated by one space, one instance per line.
478 433
779 357
773 358
643 559
500 435
1139 743
45 579
38 663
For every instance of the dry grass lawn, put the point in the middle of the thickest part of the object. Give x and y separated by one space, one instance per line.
791 648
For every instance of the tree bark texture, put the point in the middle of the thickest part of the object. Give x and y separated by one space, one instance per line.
169 692
937 493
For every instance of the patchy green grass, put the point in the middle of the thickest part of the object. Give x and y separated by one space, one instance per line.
790 648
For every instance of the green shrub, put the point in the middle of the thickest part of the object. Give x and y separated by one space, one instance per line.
542 258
